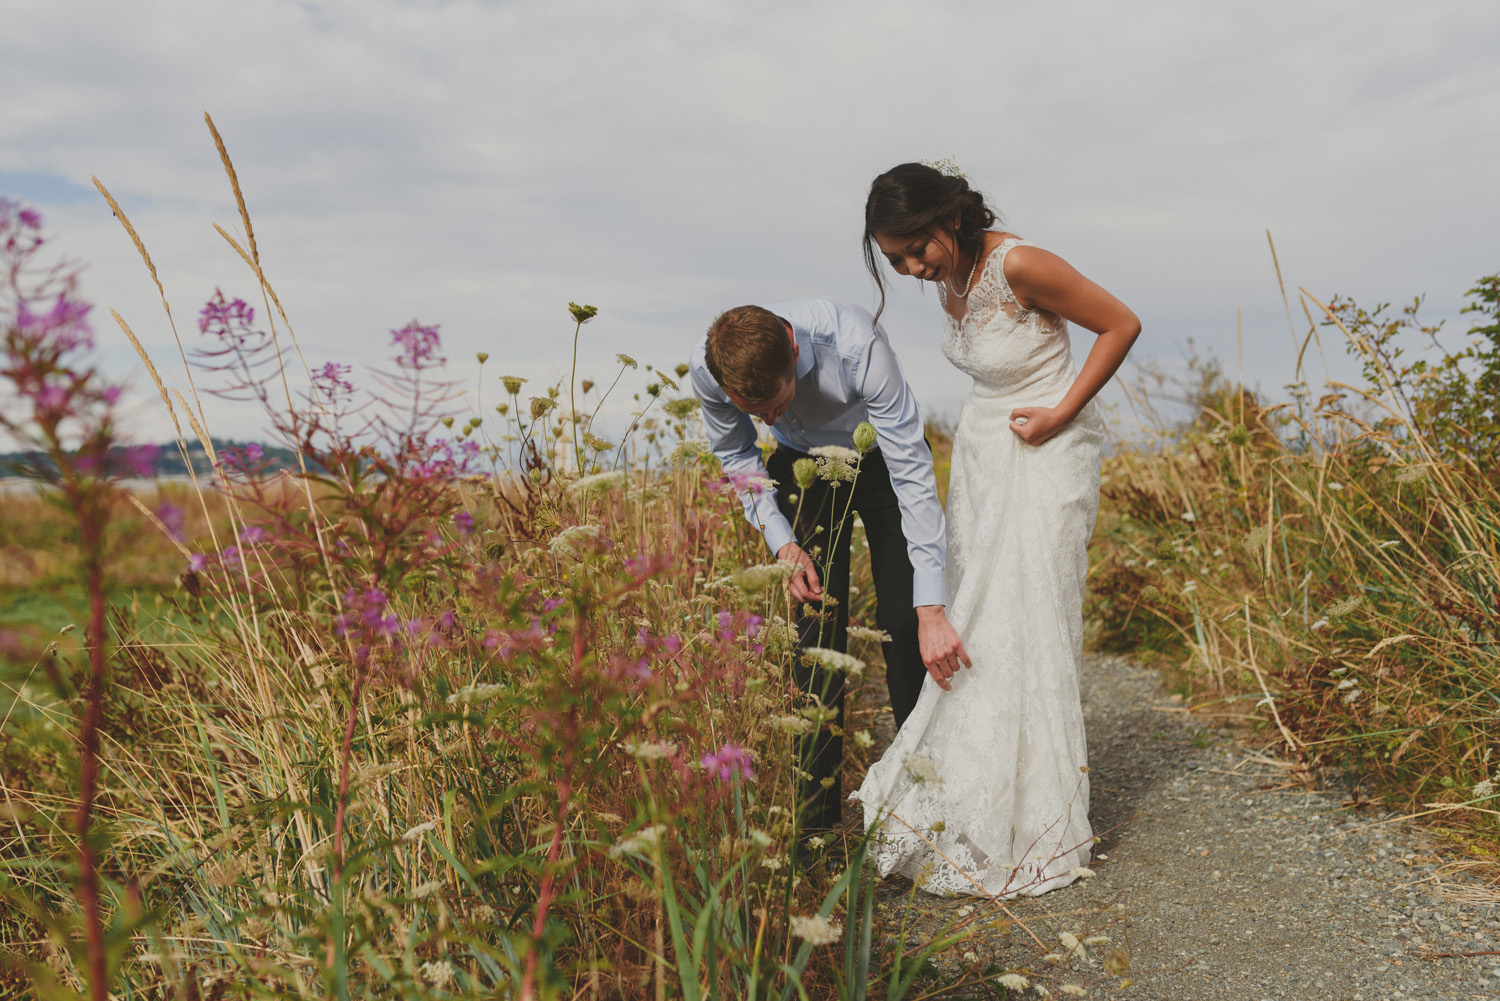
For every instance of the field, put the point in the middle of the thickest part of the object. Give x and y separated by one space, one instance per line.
482 704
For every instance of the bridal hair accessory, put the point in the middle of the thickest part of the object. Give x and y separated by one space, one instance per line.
947 166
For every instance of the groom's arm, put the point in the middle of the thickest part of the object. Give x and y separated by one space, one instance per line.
898 426
732 438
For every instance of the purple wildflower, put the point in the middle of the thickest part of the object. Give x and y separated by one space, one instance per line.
332 380
228 320
197 563
140 460
253 534
730 762
230 556
254 453
465 522
753 482
419 346
52 397
30 218
65 326
170 516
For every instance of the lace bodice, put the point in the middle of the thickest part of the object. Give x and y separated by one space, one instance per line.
1019 354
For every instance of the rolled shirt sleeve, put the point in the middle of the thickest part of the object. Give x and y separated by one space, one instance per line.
898 427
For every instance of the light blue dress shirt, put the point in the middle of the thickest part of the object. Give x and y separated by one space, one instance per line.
846 373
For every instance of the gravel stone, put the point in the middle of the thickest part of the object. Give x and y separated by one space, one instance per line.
1224 879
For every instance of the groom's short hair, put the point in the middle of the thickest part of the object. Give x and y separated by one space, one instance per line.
749 353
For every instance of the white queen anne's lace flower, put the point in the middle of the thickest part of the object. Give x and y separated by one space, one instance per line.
687 452
438 972
834 452
792 724
815 929
832 660
753 580
650 750
600 481
566 542
474 693
873 635
921 769
639 842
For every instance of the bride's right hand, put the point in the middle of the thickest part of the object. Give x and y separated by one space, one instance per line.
943 652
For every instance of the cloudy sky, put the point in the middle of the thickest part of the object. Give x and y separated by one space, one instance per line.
479 164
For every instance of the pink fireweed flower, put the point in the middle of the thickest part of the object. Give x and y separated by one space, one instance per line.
730 762
140 460
171 517
52 397
419 346
198 562
63 328
332 380
464 521
755 483
228 320
253 534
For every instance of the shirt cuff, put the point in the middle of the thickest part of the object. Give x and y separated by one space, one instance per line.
927 588
779 533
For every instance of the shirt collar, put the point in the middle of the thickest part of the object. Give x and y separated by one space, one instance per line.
805 357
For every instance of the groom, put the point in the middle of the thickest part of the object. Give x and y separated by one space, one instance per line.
812 371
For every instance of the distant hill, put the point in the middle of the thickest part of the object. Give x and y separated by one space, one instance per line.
169 461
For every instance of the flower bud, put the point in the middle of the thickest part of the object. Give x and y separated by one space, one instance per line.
804 471
864 436
483 357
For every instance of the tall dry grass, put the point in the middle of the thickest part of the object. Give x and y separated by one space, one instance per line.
1327 570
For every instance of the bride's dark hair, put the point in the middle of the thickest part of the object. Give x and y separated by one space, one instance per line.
913 198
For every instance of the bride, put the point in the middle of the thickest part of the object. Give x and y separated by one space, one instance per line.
985 789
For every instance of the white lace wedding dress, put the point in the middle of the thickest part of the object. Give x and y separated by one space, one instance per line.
985 789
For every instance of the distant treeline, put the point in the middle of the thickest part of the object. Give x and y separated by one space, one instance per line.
167 459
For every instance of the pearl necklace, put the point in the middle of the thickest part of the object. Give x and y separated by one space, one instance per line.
968 284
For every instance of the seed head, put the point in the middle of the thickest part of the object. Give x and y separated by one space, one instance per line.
582 314
816 930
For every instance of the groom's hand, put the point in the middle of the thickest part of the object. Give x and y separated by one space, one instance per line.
942 651
803 583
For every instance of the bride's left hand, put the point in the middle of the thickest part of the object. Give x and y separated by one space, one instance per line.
1034 425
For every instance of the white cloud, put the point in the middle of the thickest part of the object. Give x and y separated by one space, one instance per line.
481 164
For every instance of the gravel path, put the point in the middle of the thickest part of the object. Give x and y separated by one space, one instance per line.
1224 879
